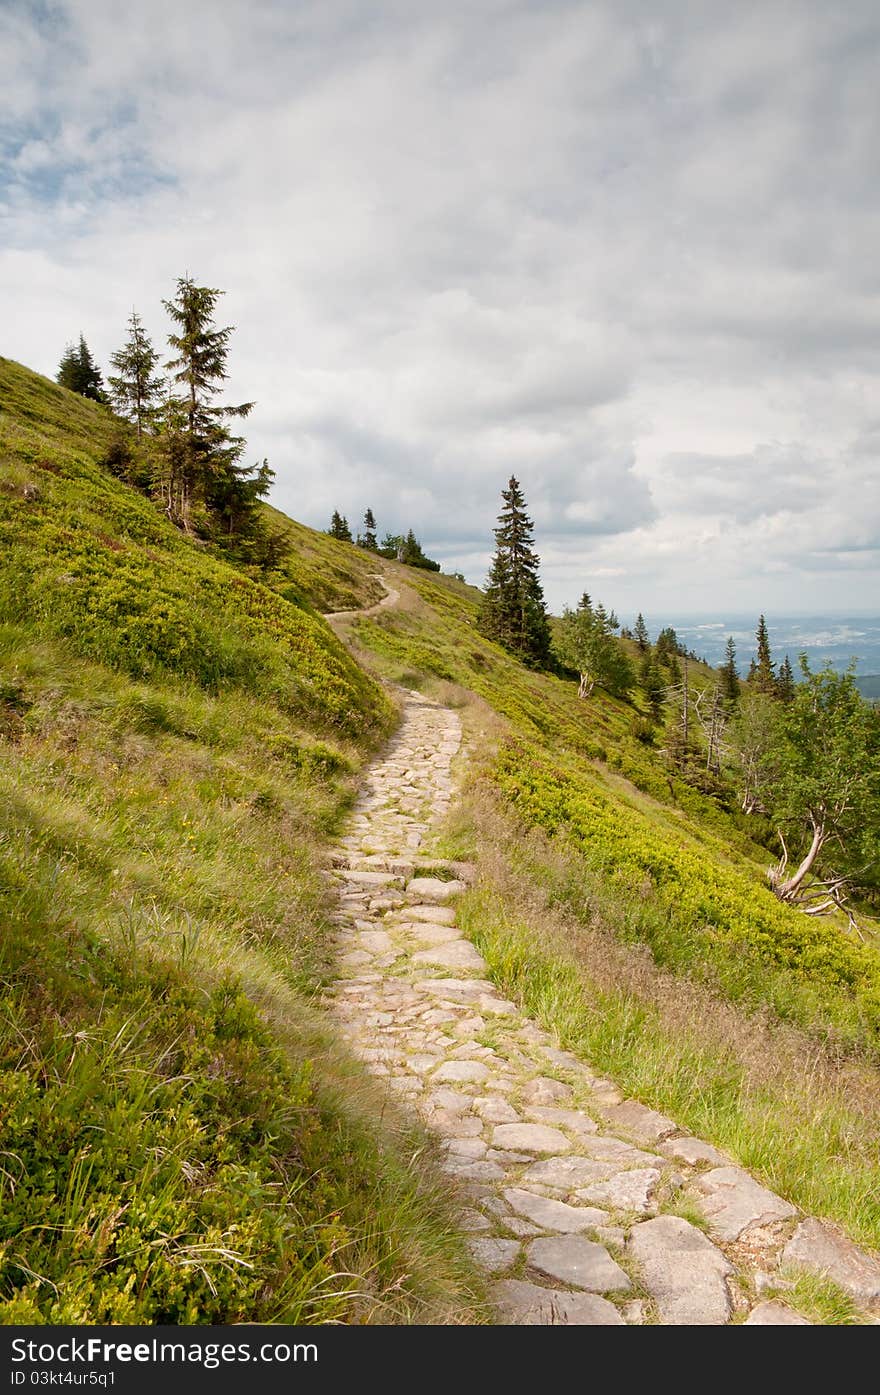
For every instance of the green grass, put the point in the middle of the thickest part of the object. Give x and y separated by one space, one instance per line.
699 912
159 864
320 570
819 1300
182 1138
87 558
744 1083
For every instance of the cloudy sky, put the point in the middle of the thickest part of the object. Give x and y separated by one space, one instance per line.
625 251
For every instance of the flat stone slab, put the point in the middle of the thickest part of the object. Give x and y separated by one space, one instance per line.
495 1006
518 1226
625 1191
529 1305
566 1059
775 1315
549 1214
614 1150
693 1151
433 915
355 878
494 1255
426 934
819 1249
480 1171
544 1090
432 889
453 1100
569 1118
460 954
530 1138
462 1070
464 1147
450 1125
473 1221
495 1111
376 941
641 1123
355 958
469 990
733 1202
567 1174
573 1260
682 1270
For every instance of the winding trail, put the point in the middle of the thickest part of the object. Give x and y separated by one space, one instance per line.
570 1191
390 598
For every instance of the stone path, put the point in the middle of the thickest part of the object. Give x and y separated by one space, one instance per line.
570 1191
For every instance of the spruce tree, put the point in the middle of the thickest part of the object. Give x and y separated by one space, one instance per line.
78 372
761 673
339 527
785 681
652 685
369 538
667 647
136 388
513 610
640 634
231 497
199 447
730 674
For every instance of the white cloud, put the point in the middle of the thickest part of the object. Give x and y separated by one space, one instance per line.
624 251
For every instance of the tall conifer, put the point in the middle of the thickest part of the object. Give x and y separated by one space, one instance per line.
761 673
200 450
730 674
513 610
369 538
136 387
785 681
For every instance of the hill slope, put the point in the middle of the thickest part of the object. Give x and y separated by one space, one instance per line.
179 742
182 1139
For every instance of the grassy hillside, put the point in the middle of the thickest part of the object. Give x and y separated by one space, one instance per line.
181 1139
327 574
630 912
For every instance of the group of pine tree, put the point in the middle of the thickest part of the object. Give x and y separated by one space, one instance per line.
396 547
181 448
804 756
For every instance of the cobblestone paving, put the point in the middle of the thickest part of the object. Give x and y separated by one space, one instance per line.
569 1191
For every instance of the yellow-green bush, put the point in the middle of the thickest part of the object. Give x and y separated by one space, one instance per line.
713 912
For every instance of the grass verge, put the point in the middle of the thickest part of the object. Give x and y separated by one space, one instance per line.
807 1125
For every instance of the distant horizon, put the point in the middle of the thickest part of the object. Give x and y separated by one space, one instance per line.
769 614
840 638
